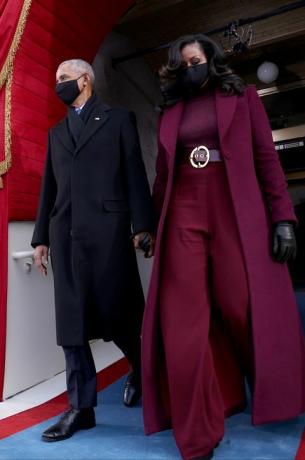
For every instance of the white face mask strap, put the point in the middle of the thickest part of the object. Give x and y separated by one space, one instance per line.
82 75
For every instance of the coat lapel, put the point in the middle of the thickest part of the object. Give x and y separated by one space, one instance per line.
62 132
97 119
225 108
169 127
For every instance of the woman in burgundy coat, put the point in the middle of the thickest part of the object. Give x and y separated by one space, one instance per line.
220 307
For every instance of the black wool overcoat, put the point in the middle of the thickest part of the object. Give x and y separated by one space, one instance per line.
94 195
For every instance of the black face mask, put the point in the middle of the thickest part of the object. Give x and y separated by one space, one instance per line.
192 78
68 91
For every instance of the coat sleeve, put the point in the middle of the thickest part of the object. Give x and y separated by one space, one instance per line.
139 196
269 171
160 183
46 203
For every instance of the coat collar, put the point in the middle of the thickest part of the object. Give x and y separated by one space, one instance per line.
225 108
97 119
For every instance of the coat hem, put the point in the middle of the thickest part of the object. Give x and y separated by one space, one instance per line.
257 420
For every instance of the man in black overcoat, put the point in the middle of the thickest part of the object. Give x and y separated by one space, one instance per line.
95 197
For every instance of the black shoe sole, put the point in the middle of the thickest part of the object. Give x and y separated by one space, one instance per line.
56 438
62 438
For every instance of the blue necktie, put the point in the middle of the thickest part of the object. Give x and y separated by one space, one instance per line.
78 110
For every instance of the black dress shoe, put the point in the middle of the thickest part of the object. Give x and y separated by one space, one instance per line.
132 389
70 422
208 456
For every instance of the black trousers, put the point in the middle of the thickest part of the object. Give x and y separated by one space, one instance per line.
81 372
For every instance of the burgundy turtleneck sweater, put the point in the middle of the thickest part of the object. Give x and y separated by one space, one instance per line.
198 124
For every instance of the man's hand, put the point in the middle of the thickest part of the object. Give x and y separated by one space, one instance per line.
146 242
41 258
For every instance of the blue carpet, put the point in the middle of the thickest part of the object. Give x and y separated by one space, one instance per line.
119 436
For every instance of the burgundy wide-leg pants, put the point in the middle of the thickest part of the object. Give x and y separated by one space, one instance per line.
202 271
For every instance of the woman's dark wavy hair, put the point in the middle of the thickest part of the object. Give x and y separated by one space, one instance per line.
220 74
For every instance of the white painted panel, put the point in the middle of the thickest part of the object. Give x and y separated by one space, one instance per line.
31 352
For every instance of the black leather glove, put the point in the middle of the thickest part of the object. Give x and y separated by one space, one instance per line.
144 244
284 242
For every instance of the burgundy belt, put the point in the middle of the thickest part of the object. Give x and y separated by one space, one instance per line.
199 157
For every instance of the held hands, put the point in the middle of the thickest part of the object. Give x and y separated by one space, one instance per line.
284 243
41 258
146 242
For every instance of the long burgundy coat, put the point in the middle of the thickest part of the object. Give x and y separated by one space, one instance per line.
260 198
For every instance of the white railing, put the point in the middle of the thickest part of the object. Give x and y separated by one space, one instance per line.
27 257
23 255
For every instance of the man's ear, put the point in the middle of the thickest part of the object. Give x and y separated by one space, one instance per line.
86 79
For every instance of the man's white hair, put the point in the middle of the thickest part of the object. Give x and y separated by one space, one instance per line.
81 66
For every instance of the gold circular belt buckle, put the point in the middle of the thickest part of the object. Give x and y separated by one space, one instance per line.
200 156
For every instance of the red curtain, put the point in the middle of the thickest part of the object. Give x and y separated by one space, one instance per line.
9 16
50 31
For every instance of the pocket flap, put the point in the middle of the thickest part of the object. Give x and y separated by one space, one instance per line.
115 206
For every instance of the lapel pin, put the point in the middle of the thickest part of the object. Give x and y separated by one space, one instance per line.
97 118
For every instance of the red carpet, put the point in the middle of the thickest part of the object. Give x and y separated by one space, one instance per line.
301 450
55 406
